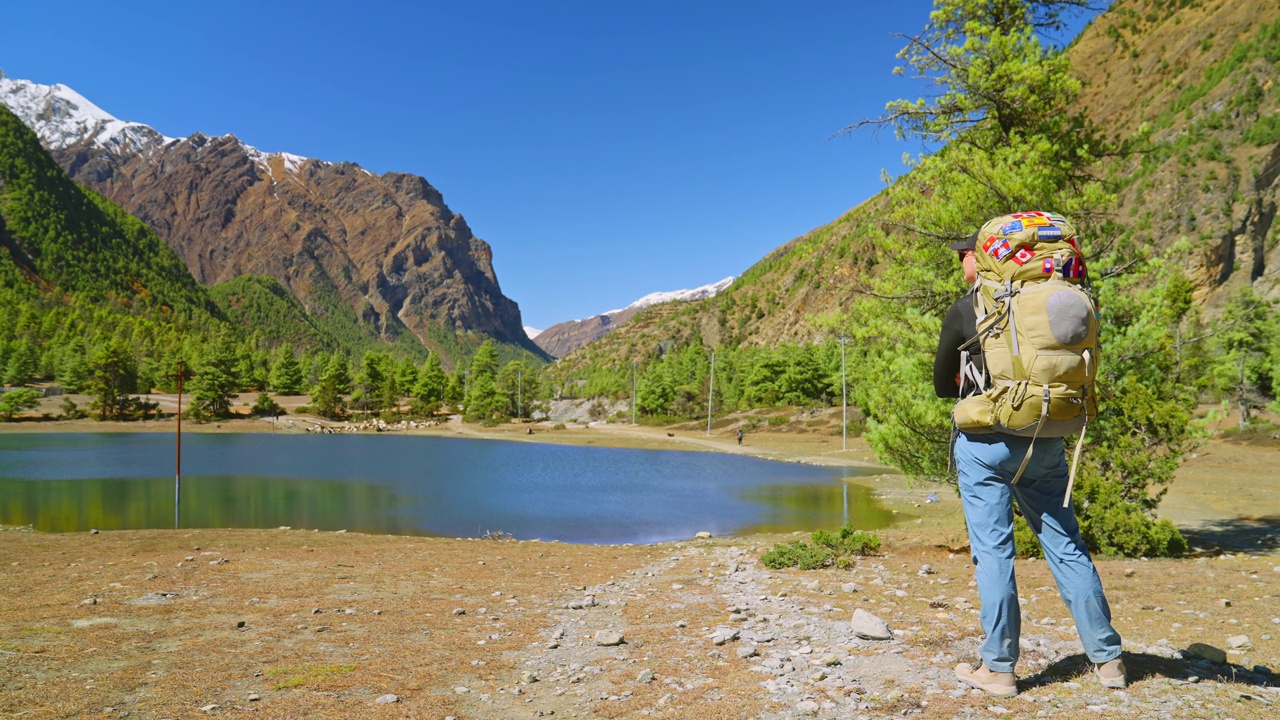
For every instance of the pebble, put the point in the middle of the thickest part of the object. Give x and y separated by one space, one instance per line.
829 660
461 690
645 676
387 699
254 697
609 638
748 651
1130 572
704 535
459 611
1207 652
210 708
808 707
1239 642
528 676
869 627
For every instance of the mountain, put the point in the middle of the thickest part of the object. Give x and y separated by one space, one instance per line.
58 237
1200 76
563 338
372 258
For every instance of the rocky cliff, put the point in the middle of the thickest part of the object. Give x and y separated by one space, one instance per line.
380 255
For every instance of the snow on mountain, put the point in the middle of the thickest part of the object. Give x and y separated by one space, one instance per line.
532 332
62 117
697 293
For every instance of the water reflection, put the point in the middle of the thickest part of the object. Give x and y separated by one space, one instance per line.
214 501
416 485
812 507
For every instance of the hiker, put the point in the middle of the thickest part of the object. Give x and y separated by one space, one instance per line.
987 464
739 437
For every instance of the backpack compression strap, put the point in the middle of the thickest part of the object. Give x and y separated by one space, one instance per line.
1044 415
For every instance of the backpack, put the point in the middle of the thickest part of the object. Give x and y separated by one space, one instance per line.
1038 329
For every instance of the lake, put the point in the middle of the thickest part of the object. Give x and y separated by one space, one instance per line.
416 485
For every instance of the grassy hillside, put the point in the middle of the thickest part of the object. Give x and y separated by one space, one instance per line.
1197 76
59 235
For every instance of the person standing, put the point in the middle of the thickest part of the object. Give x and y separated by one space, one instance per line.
739 437
986 464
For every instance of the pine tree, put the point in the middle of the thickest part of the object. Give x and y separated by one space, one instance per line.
286 373
216 382
428 389
484 401
22 363
114 376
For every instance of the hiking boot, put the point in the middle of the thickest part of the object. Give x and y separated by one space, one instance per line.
1112 674
1000 684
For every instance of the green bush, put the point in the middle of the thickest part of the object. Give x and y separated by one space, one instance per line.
848 541
797 554
826 549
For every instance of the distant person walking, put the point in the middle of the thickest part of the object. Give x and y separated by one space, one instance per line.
739 437
986 464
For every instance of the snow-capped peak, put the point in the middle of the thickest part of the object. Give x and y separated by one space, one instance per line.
698 293
532 332
62 117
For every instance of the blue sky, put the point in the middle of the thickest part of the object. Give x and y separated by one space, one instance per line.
605 150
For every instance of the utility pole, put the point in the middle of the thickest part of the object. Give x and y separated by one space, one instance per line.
844 401
181 375
711 391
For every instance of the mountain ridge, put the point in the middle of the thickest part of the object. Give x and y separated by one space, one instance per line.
565 337
378 256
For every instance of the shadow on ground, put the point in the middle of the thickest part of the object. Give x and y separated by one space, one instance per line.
1235 535
1143 666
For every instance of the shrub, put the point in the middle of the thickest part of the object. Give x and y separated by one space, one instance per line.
797 554
848 541
826 549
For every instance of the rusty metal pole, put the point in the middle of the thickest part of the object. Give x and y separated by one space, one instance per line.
177 476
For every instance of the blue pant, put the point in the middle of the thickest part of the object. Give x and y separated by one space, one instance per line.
986 465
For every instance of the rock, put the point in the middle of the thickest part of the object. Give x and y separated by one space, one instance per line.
609 638
723 635
829 660
645 676
93 532
459 611
240 624
461 690
254 697
210 708
1130 572
869 627
704 535
1223 603
818 676
807 707
849 588
387 699
748 651
1239 642
1206 652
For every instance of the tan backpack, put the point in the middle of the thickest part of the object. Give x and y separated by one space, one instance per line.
1038 327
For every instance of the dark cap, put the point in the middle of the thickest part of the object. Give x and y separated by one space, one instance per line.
969 244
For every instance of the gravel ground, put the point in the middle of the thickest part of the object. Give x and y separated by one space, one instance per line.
292 623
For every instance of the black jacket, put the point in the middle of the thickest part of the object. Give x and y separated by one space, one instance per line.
960 324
